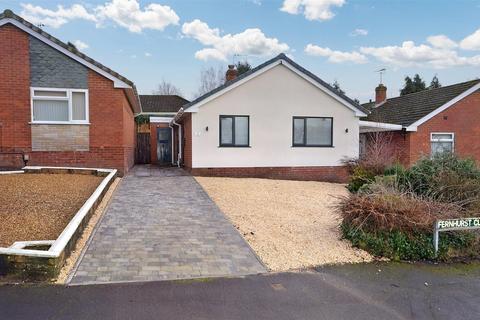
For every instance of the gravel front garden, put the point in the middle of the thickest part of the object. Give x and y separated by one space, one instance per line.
289 224
39 206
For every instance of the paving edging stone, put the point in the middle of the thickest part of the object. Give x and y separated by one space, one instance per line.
45 264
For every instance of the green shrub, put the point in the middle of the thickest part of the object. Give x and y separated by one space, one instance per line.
360 177
395 170
397 245
444 178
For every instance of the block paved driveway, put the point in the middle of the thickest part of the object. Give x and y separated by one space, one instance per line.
161 225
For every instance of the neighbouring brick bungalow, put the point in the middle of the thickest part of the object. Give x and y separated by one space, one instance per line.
427 122
160 146
277 120
59 107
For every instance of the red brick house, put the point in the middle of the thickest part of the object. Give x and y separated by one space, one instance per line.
59 107
161 144
427 122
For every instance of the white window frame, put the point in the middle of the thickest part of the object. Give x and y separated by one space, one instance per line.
452 140
68 98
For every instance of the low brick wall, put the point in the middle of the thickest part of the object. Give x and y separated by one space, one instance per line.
328 174
41 264
11 160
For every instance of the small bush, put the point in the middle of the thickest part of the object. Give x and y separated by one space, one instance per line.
395 170
360 177
386 210
445 178
398 245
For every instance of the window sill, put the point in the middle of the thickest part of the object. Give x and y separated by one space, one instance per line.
234 146
60 122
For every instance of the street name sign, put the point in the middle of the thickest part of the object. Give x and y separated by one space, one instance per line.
453 224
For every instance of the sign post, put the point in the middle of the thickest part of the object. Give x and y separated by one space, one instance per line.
452 225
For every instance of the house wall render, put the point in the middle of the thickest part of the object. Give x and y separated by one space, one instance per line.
271 100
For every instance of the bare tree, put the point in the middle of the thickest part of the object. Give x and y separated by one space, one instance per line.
210 79
379 151
167 88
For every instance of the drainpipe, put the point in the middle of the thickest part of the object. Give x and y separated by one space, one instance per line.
171 127
179 142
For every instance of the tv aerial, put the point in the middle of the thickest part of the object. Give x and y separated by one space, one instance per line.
245 56
381 72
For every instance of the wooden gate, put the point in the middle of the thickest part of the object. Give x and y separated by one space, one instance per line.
142 153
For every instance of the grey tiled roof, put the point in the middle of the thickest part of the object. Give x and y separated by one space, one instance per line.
9 14
162 103
405 110
281 56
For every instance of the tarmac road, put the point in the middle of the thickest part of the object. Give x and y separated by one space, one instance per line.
363 291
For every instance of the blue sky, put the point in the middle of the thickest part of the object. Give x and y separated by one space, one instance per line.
342 40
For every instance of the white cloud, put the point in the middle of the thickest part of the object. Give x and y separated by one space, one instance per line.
409 54
80 45
210 54
128 14
125 13
202 32
55 18
312 9
359 32
334 55
249 42
441 41
471 42
148 54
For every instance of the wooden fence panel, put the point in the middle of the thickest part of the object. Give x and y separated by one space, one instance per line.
142 153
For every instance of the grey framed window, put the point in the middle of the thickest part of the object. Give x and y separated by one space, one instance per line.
234 131
312 132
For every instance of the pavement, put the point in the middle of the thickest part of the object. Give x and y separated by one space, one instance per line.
161 225
363 291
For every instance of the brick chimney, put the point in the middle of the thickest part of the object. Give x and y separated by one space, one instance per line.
380 94
231 73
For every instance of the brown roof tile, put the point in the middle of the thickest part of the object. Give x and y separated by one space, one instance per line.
162 103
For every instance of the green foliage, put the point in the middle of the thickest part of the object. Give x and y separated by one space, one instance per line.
418 83
408 87
446 178
337 87
398 245
243 67
359 178
412 86
435 83
395 170
141 119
